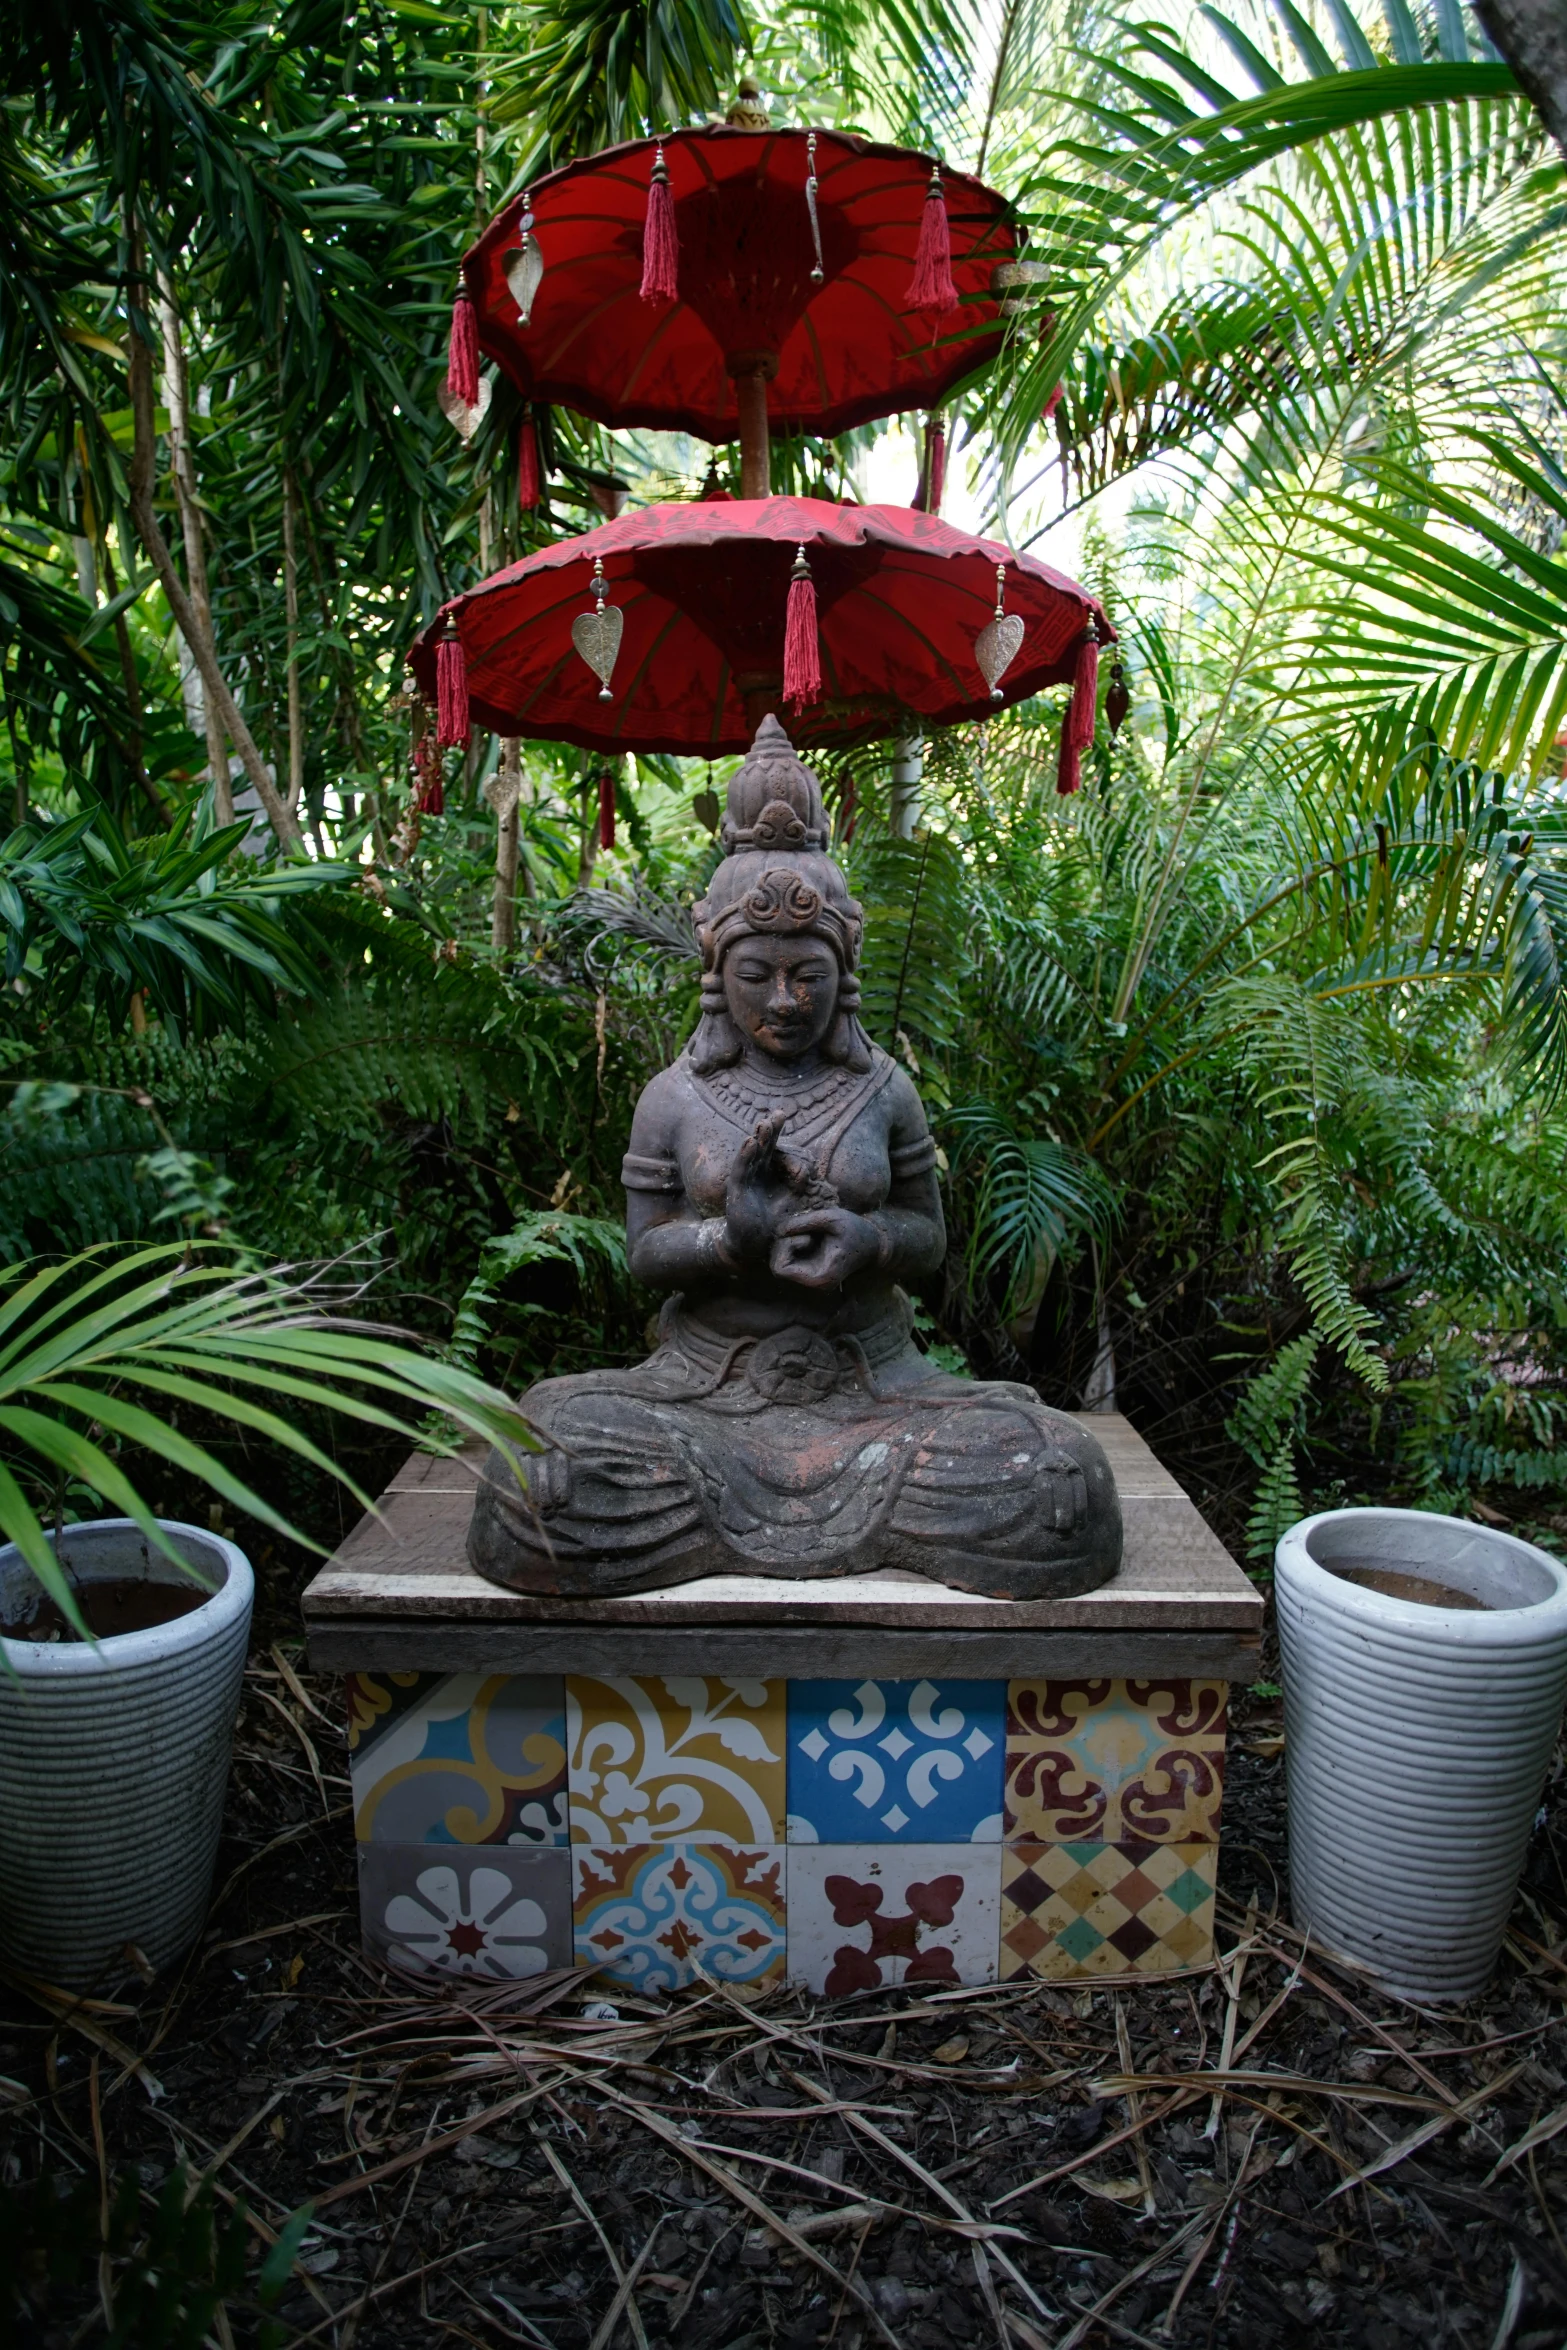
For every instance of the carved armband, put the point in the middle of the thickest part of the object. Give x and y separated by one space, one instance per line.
912 1158
642 1174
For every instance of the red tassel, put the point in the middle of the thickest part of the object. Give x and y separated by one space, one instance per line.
462 352
451 690
802 671
527 465
1077 725
931 287
606 810
660 238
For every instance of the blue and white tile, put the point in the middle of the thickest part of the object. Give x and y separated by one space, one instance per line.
896 1761
656 1917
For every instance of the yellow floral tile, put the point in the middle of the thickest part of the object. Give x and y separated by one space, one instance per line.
458 1758
1106 1909
1106 1760
682 1759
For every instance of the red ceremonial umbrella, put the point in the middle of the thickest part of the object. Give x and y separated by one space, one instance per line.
816 279
677 627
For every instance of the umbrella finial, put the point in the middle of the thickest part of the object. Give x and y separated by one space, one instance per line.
931 287
802 676
748 113
660 239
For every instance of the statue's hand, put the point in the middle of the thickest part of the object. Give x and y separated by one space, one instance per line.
825 1247
751 1216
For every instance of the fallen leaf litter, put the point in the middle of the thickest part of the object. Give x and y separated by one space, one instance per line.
1265 2152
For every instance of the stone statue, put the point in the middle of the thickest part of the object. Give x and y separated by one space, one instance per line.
780 1182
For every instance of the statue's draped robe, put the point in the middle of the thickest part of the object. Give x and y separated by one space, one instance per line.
807 1452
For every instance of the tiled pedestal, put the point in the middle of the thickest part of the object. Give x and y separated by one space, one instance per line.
680 1784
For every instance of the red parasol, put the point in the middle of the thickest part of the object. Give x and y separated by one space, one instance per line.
824 352
901 603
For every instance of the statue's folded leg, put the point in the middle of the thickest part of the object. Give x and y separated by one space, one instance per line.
1008 1497
609 1503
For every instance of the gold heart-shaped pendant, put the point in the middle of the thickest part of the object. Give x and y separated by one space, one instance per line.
996 648
597 636
457 412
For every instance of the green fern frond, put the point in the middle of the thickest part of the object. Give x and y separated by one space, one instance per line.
1277 1505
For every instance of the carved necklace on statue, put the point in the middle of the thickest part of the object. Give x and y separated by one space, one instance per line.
816 1112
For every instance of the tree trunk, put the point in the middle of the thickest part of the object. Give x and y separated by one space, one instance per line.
1532 36
132 684
296 720
143 460
504 792
182 471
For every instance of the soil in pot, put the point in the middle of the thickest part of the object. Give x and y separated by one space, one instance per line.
1395 1583
129 1604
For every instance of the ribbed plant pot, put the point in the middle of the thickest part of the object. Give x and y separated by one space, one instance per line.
114 1759
1417 1738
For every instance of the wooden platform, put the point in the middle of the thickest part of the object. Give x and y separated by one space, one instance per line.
399 1596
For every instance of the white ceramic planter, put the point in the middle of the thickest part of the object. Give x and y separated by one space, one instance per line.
114 1760
1417 1739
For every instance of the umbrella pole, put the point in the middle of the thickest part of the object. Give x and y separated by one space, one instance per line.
752 371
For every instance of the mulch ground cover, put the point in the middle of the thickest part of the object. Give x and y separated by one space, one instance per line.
1266 2152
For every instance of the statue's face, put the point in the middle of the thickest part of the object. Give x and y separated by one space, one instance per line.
781 992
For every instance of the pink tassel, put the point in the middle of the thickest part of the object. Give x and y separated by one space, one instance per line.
527 465
931 287
462 352
451 690
1077 726
802 671
660 238
606 810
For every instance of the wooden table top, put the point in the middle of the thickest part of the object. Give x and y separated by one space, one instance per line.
408 1564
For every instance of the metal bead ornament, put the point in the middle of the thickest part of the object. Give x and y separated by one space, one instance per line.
524 265
597 634
818 273
1000 641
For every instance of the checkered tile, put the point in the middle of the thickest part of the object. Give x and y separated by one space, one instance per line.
1106 1909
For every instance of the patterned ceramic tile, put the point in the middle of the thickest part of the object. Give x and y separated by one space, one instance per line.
896 1760
661 1761
1106 1909
651 1915
864 1916
489 1910
458 1758
1106 1760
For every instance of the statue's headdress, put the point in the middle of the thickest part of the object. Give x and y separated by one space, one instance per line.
776 877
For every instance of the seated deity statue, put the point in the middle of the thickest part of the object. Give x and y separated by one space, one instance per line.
781 1186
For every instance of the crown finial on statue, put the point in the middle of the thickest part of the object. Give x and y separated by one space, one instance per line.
774 800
